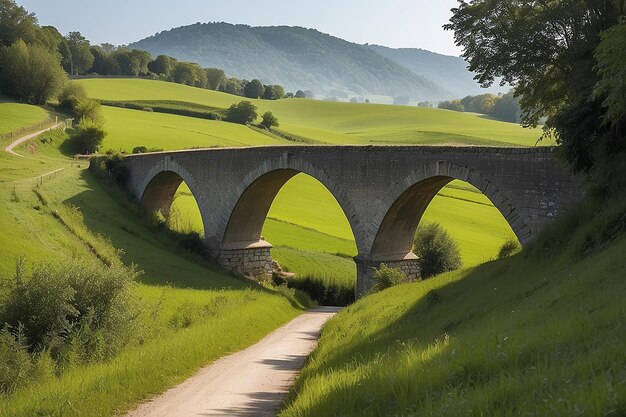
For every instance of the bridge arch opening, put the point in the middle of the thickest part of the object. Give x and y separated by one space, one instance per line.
477 219
293 218
169 194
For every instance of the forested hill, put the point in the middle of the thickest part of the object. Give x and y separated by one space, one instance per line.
294 57
449 72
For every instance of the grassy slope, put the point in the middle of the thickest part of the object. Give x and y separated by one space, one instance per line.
541 334
304 203
14 116
170 353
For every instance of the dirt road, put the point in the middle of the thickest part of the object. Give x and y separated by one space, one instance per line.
252 382
23 139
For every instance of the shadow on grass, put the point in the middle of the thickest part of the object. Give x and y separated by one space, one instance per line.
161 260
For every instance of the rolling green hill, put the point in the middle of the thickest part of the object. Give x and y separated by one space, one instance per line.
338 123
295 57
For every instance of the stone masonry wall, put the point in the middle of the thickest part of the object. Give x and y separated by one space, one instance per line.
249 261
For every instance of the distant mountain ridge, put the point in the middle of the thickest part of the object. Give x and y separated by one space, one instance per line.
300 58
449 72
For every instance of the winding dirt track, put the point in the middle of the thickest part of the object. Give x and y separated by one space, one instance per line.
23 139
252 382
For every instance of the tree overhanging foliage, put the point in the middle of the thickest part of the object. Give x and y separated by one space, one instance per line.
550 50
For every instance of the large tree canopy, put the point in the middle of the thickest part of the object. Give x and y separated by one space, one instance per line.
31 72
545 48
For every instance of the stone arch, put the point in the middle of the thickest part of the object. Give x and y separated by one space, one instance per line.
409 199
248 205
157 190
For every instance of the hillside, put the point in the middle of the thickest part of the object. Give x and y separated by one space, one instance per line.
449 72
538 334
295 57
55 211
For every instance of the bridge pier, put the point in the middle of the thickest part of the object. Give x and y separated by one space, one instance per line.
365 270
246 258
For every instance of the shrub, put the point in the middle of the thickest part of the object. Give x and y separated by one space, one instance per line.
88 137
243 112
385 277
324 291
72 94
436 250
76 311
89 110
140 149
15 361
508 248
269 120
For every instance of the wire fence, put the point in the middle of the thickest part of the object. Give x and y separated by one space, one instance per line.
49 122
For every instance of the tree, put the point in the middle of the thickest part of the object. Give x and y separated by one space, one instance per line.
243 112
143 58
31 73
300 94
506 108
611 57
89 111
273 92
436 250
269 120
162 64
17 23
190 74
88 137
104 63
127 62
552 66
81 58
254 89
233 86
215 78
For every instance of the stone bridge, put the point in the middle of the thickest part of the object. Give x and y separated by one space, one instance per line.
383 191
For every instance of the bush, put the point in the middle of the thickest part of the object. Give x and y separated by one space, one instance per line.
243 112
140 149
72 94
436 250
508 248
385 277
78 312
88 137
89 110
323 291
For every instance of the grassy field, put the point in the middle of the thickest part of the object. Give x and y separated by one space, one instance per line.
221 314
337 123
129 128
14 116
538 334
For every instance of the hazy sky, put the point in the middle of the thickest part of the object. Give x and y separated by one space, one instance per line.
394 23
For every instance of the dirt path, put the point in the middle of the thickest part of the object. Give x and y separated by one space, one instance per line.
23 139
252 382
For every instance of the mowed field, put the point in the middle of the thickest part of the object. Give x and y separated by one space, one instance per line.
310 233
15 116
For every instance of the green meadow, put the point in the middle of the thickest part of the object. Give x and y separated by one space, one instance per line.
335 122
14 116
304 215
